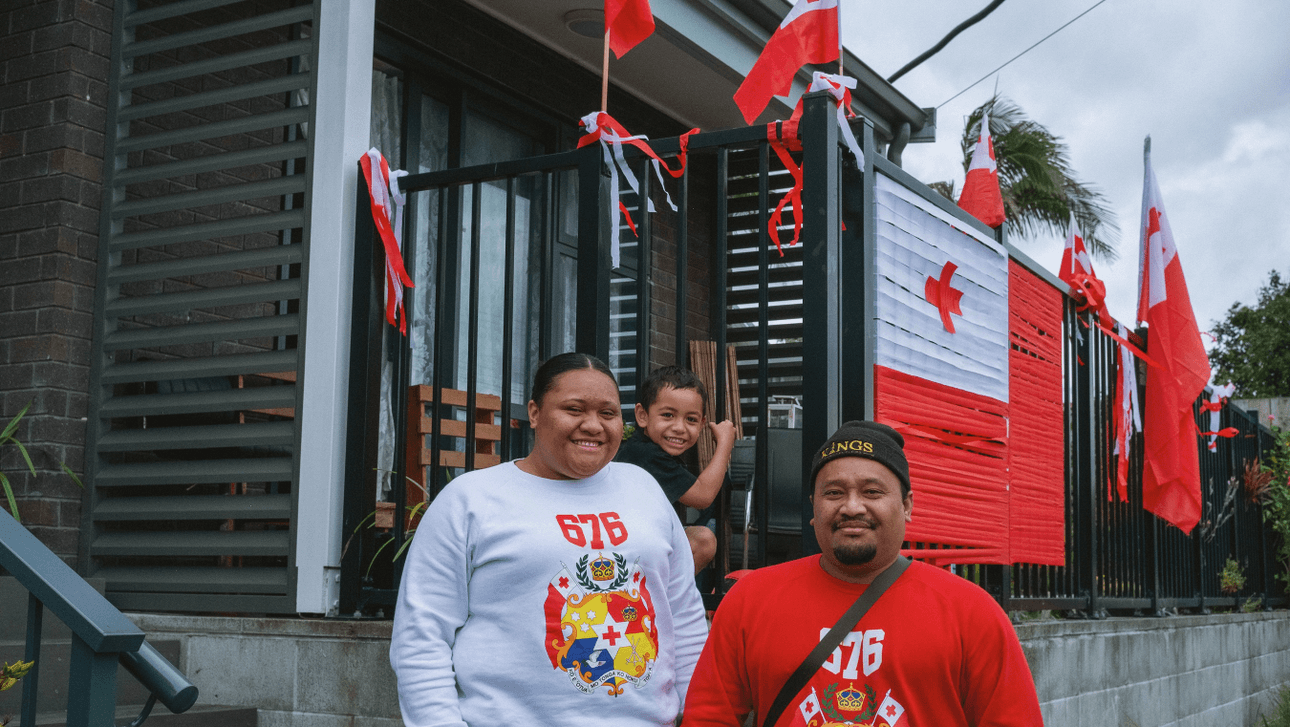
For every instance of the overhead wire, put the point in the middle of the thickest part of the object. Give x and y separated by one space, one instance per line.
1022 53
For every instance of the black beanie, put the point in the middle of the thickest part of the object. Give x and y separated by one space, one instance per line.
870 440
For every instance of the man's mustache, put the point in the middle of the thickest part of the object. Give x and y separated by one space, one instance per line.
845 522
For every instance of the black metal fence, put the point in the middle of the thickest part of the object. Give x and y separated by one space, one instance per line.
1121 558
790 338
577 301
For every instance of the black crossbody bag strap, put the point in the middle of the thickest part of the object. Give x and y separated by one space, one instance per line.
833 638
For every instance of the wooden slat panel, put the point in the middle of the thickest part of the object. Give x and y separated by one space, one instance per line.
453 397
456 428
458 459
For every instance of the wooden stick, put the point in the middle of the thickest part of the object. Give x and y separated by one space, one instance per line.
604 78
840 50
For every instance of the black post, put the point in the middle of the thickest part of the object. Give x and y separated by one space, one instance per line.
859 294
821 216
762 493
718 328
683 274
644 275
592 318
364 391
30 683
1085 455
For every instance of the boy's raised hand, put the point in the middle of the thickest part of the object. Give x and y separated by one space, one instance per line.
723 432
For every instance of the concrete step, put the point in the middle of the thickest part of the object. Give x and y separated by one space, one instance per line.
198 716
54 664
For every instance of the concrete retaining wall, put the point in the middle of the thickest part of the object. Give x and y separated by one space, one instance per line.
1182 671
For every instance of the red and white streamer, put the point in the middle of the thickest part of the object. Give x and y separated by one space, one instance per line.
1128 420
602 127
1217 398
783 137
387 212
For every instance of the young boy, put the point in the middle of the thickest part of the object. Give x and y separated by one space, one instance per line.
669 419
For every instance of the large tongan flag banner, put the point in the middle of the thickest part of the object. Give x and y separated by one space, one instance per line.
1171 465
944 323
808 34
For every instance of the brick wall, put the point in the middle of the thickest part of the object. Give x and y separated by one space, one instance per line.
53 67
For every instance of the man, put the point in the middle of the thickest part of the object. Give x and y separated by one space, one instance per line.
933 651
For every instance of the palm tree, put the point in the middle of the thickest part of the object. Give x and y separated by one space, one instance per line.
1035 177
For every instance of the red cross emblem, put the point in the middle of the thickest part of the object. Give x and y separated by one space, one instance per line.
940 294
564 582
891 710
611 636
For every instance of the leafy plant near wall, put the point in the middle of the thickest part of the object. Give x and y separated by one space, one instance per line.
1280 710
1231 579
8 438
1276 500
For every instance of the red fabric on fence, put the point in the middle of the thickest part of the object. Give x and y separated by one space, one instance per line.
1036 465
959 475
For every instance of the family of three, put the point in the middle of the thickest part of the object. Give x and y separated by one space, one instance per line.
559 589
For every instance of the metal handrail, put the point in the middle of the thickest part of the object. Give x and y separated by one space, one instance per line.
100 632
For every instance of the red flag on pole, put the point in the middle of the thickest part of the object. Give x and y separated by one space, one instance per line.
1077 271
981 197
1171 468
627 22
808 34
1075 259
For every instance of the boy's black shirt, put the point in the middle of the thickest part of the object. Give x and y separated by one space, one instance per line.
671 473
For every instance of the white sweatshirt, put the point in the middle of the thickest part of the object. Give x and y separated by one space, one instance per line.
542 602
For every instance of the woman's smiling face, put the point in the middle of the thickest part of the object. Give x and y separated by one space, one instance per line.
577 428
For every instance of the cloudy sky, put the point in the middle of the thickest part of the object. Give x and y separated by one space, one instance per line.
1210 82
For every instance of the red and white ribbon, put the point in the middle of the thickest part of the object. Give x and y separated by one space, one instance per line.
1127 420
783 137
387 212
602 127
840 87
1217 398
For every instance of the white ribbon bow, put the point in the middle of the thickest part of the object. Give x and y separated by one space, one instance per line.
837 86
612 144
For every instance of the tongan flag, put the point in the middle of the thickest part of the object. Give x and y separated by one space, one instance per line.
562 586
809 713
1171 468
981 197
889 712
968 362
628 22
1075 259
808 34
941 367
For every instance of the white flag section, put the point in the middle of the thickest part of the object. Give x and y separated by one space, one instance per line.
915 241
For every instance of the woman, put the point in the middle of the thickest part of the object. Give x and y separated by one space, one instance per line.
552 589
